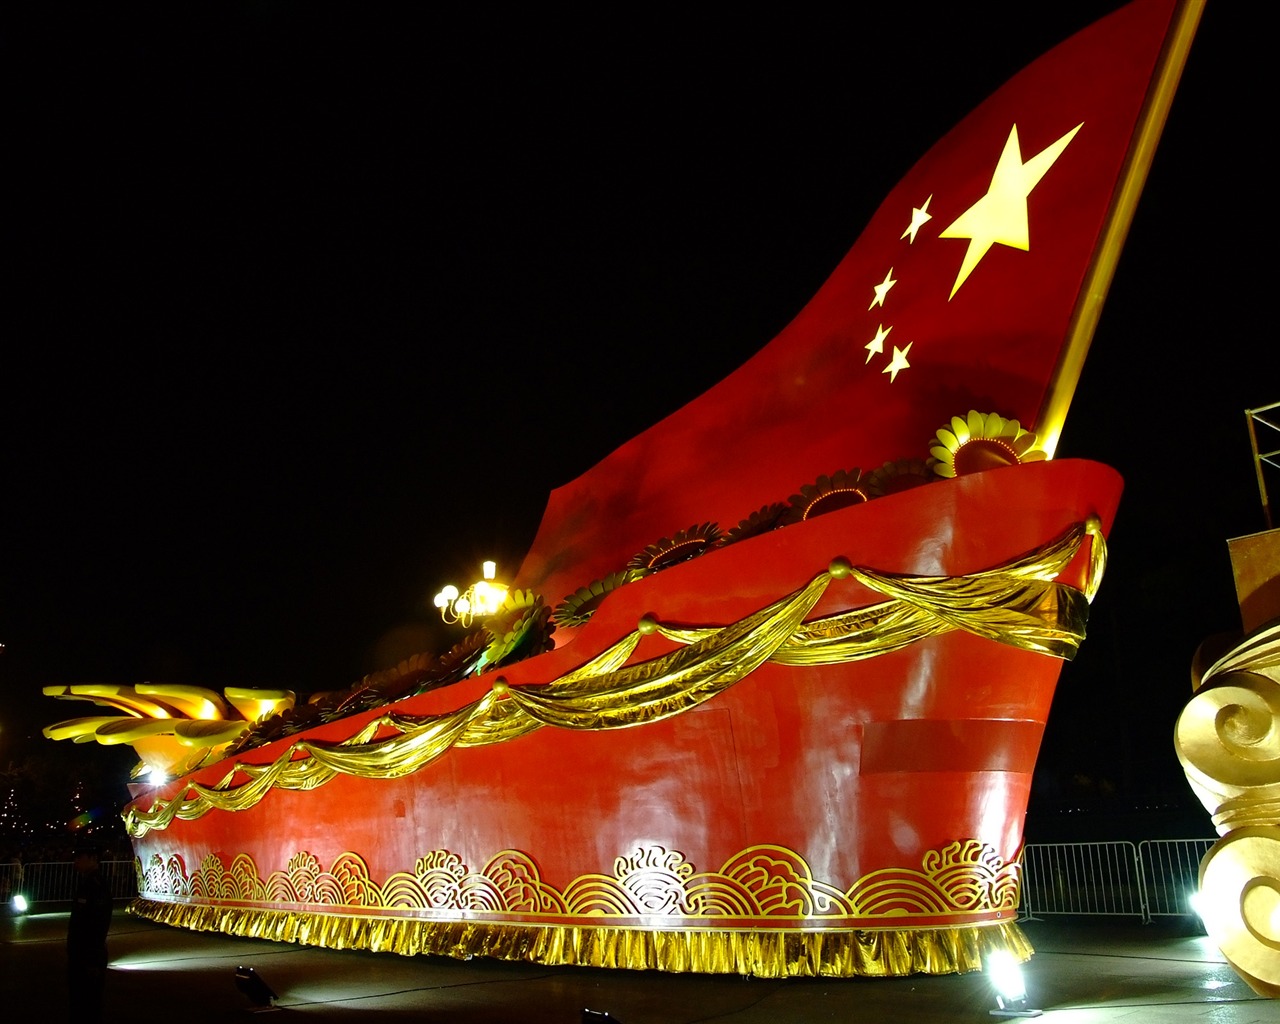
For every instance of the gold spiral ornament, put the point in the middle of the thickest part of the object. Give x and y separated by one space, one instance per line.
1228 740
1240 892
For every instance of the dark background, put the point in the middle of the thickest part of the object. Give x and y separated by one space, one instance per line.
308 307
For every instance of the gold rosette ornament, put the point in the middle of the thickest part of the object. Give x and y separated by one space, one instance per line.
579 606
770 517
669 551
841 489
902 475
982 441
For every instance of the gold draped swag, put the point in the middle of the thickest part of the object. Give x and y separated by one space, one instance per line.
772 953
1017 603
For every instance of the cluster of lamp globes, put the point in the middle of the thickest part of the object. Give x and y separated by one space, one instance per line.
484 597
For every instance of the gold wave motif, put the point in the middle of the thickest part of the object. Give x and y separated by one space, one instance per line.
1017 603
654 912
966 877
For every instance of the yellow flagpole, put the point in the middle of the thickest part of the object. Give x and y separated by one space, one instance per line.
1084 319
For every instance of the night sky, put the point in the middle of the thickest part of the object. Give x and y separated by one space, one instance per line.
310 306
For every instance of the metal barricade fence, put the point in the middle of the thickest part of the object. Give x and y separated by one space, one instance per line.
55 881
1081 878
1155 878
1171 874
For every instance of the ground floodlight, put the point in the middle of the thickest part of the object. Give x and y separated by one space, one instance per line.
1006 978
598 1017
20 904
1196 901
258 991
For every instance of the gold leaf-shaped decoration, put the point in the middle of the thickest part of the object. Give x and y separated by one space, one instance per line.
254 703
400 680
190 701
112 695
197 732
82 730
982 441
270 728
203 757
901 475
130 730
172 727
770 517
415 674
669 551
842 489
328 703
359 698
457 663
245 741
579 606
302 716
165 754
521 628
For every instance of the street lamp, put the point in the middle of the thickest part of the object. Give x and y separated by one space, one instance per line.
484 597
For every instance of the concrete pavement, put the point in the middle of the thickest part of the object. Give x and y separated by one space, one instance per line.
1082 973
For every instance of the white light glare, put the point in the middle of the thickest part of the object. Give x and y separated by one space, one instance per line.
1196 900
20 903
1006 978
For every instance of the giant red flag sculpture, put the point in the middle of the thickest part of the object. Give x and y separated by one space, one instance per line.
767 692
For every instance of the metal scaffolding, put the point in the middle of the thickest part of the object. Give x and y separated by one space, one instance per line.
1269 431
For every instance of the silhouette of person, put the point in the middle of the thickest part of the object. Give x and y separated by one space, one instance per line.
87 939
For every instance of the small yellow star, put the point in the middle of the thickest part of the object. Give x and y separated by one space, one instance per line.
1000 216
898 362
919 216
875 346
882 289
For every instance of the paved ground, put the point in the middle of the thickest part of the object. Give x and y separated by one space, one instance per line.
1081 974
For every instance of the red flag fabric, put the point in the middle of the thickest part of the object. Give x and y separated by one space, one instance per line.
959 294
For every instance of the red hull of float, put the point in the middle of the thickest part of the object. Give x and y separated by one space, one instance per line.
853 805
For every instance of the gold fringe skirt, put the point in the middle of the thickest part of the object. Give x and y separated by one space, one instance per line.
764 953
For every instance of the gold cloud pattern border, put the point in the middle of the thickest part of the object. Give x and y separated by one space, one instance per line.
762 913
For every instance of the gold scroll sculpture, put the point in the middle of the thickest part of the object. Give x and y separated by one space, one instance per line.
1228 740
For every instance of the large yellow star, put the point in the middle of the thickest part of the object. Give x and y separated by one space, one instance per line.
1001 215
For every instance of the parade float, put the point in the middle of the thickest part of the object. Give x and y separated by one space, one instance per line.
766 693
